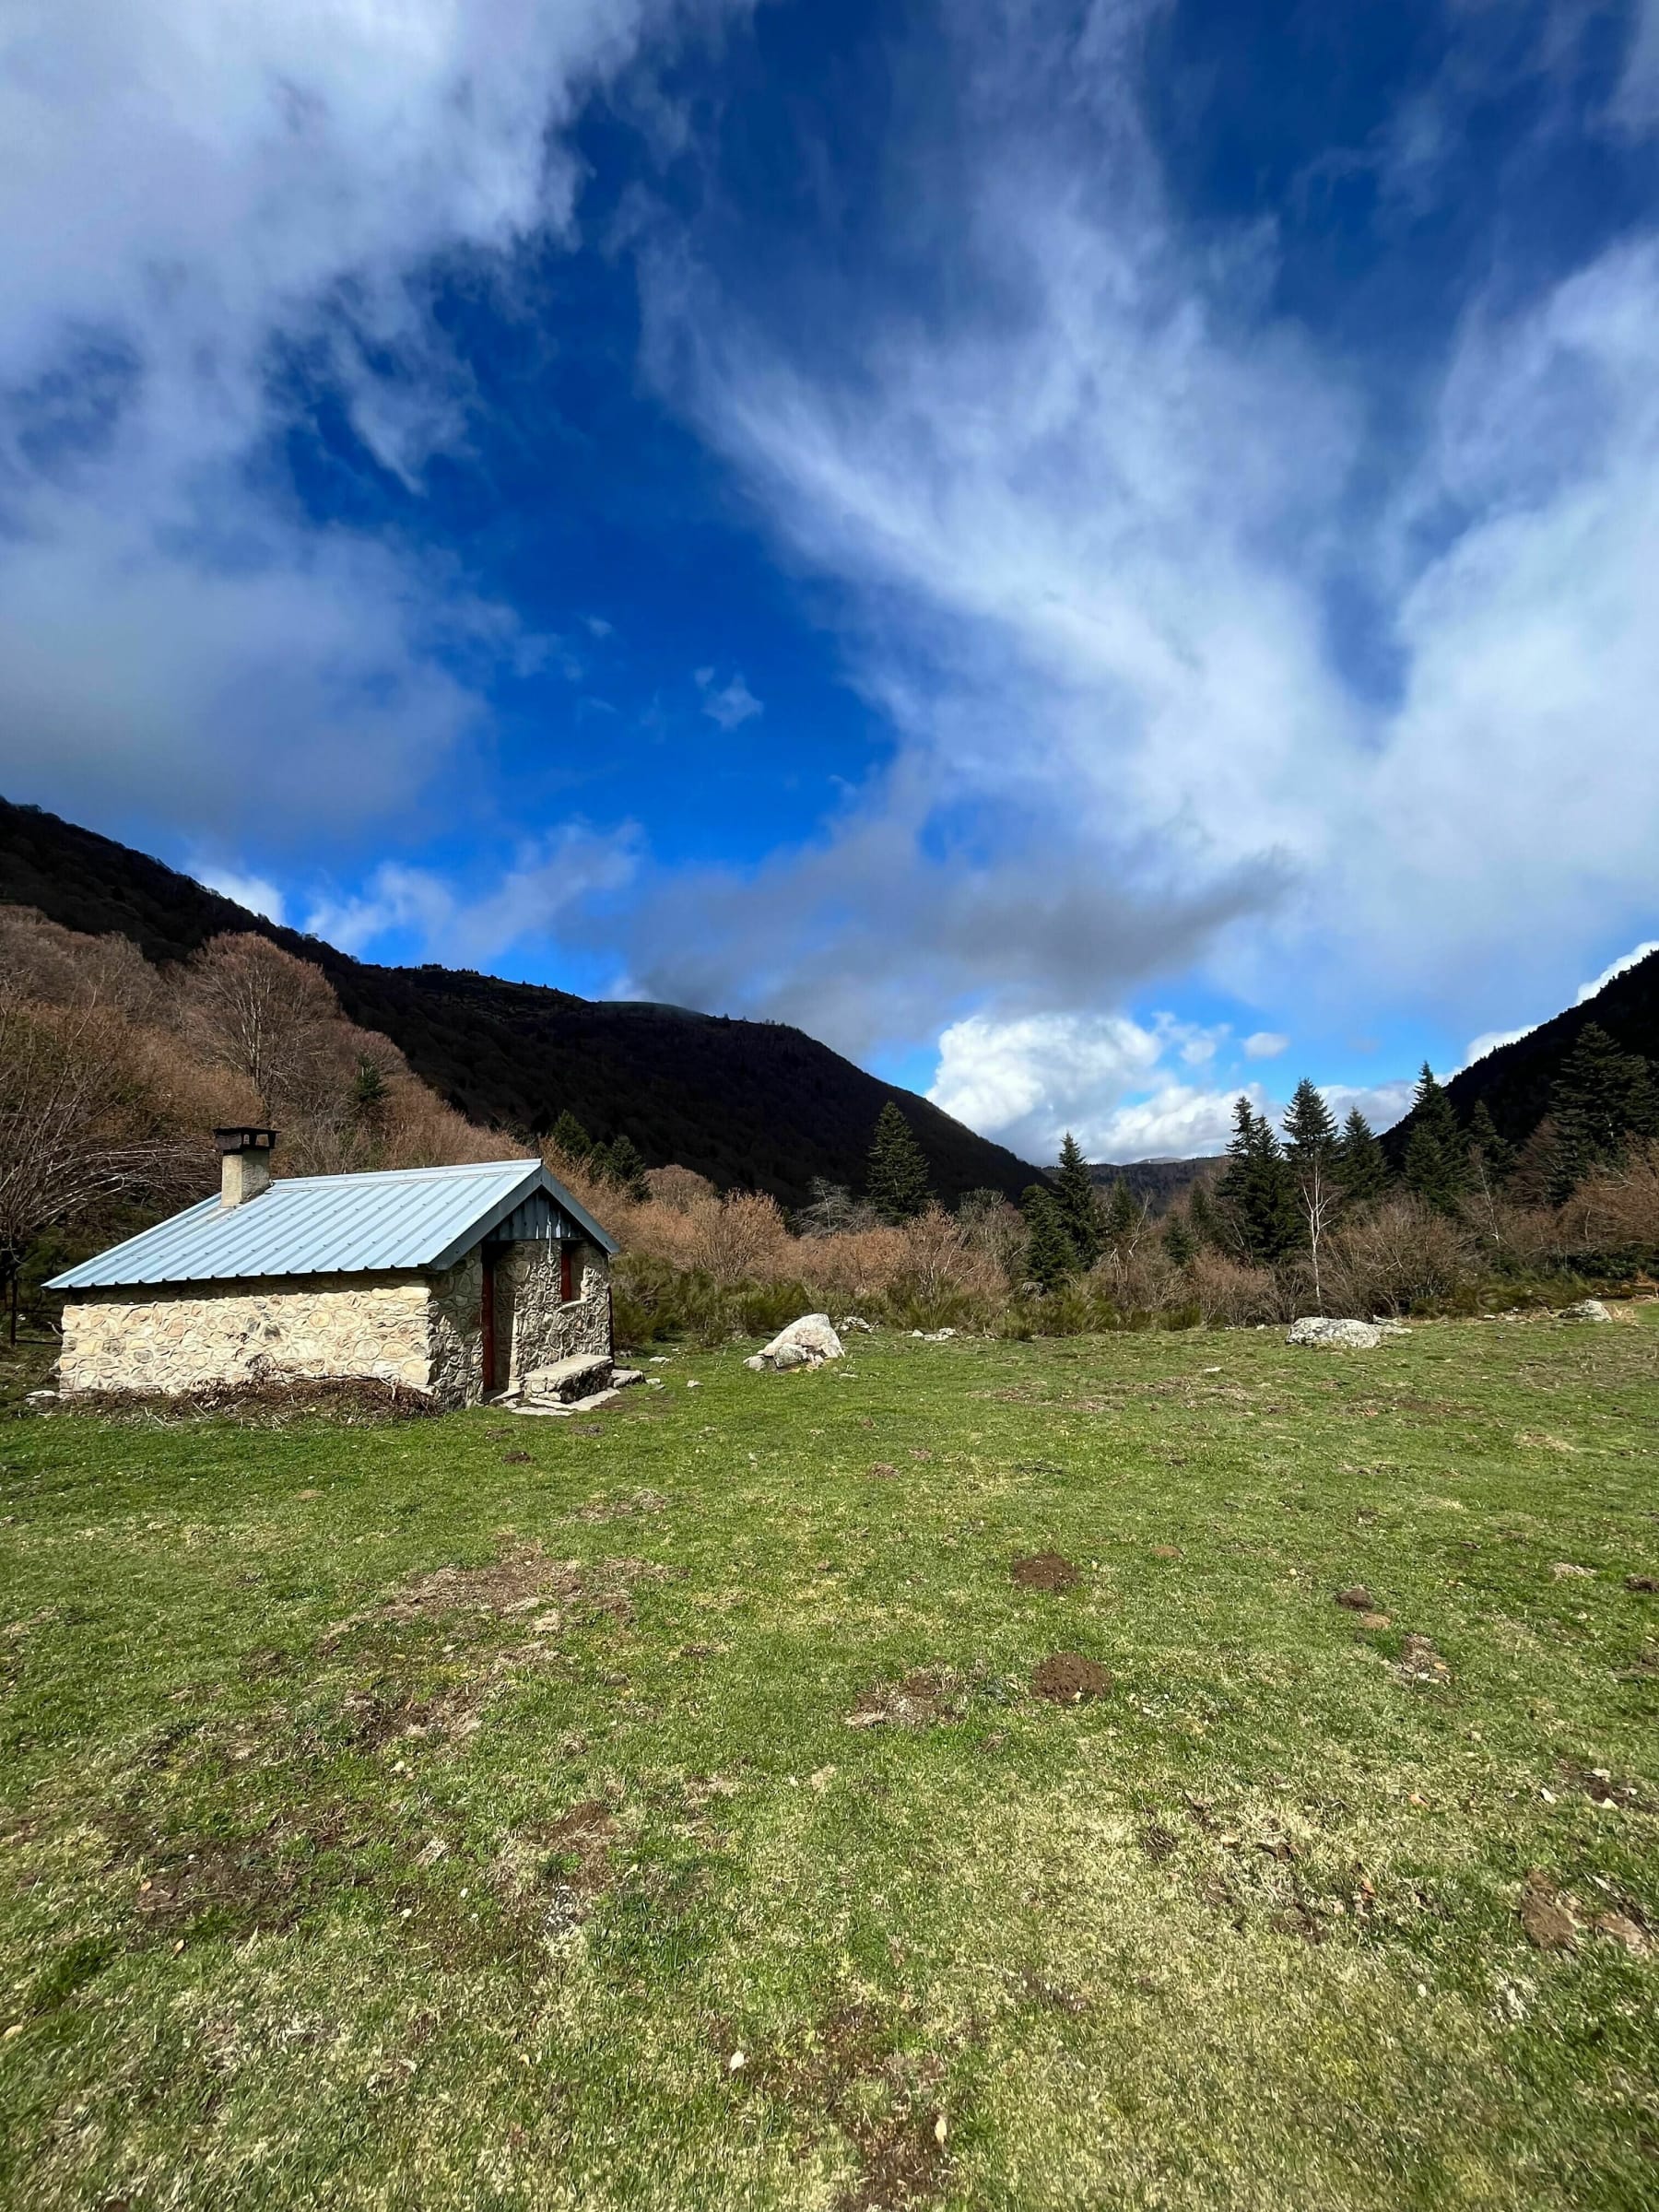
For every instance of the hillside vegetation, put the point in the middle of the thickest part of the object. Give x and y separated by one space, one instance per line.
669 1812
749 1105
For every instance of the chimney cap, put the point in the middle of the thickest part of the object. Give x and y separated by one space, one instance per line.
245 1140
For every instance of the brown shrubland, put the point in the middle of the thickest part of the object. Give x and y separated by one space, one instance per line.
113 1073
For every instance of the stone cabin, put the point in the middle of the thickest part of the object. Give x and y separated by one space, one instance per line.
458 1281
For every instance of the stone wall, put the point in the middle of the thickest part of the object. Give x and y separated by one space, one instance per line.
402 1328
176 1337
535 1321
455 1341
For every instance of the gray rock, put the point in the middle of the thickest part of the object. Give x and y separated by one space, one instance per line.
1335 1336
1587 1309
804 1343
622 1376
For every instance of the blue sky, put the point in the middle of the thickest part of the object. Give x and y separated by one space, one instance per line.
1090 556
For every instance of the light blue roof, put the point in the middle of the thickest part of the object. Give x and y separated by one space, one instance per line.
332 1224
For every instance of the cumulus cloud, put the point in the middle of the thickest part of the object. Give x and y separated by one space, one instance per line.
1026 1082
191 195
1265 1044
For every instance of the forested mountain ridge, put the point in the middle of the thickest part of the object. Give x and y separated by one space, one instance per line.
1515 1081
748 1104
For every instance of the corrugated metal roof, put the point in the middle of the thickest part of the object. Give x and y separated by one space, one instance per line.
331 1225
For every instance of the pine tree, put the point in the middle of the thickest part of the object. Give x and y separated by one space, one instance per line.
570 1138
1201 1216
1436 1166
1079 1201
1311 1156
598 1162
899 1179
1490 1157
1122 1219
627 1169
1179 1241
371 1094
1050 1256
1255 1195
1361 1166
1602 1098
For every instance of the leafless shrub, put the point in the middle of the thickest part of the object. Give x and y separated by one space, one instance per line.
1617 1211
680 1189
1231 1295
1401 1255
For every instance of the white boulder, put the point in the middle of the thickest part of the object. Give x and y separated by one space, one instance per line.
804 1343
1587 1309
1335 1336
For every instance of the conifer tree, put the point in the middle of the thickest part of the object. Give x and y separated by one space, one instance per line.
1179 1241
1310 1155
570 1138
898 1180
1201 1217
1436 1166
1491 1158
1255 1195
1602 1098
1122 1219
1361 1166
627 1167
1079 1201
1050 1254
1310 1132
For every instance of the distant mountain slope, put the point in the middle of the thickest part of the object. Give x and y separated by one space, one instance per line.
1161 1181
1516 1079
747 1103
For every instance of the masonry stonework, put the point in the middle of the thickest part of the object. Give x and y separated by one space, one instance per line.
423 1331
176 1337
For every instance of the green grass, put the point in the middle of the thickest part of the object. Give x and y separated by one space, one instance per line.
1245 1930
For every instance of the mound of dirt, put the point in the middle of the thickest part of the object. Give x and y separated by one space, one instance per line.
1358 1600
354 1401
1070 1679
1046 1570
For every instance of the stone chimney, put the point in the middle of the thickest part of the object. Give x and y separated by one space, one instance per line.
246 1164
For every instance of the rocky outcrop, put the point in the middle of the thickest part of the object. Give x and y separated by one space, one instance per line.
1587 1309
1335 1336
804 1343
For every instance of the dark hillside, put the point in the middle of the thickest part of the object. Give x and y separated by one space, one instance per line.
747 1103
1159 1181
1516 1079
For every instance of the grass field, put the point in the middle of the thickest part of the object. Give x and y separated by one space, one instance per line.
430 1815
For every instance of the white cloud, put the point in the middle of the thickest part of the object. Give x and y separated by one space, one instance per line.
1265 1044
1490 1040
730 705
252 891
192 187
1090 539
1617 967
548 881
1028 1080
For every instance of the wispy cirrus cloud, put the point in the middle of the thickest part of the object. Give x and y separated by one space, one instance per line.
1100 515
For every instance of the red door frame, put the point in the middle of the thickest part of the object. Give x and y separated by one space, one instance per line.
567 1270
487 1319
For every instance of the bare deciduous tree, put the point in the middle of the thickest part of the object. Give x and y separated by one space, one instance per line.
250 1006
